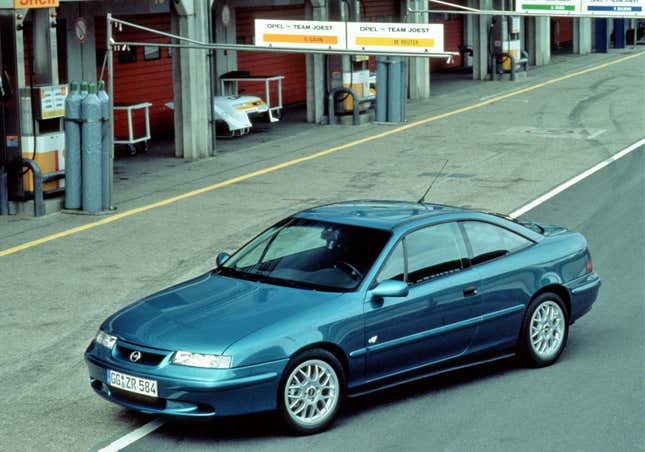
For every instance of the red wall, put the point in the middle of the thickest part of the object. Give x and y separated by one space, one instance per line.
452 39
142 81
564 37
291 65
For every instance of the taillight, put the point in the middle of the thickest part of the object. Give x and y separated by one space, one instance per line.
589 263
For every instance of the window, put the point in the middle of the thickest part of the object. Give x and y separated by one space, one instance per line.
309 254
151 53
295 239
490 242
435 251
394 267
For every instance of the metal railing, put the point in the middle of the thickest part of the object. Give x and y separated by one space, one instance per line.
39 180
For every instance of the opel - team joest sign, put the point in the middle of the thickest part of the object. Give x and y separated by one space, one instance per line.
361 36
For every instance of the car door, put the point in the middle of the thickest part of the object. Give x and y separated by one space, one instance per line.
436 320
506 282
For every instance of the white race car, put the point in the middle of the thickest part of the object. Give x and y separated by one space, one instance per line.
235 115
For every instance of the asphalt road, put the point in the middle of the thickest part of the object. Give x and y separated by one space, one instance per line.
500 156
592 399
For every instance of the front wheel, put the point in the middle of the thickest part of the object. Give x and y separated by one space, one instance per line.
545 330
311 392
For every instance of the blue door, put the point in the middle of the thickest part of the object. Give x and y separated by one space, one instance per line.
506 283
437 320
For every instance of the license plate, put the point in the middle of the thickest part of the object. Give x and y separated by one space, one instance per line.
132 384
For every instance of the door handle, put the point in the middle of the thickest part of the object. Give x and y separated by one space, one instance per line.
470 291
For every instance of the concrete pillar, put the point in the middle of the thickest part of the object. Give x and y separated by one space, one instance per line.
469 32
541 45
530 38
419 68
316 10
582 35
225 60
480 44
191 82
81 56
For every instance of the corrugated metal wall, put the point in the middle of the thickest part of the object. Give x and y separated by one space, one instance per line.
292 66
142 80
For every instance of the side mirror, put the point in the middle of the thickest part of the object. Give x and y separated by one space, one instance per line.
221 258
390 288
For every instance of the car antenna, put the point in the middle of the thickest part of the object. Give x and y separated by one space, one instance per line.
423 198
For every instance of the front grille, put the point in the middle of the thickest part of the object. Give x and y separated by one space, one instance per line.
151 402
151 359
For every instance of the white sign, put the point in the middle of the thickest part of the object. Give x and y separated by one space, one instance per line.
614 7
602 8
392 37
300 34
546 6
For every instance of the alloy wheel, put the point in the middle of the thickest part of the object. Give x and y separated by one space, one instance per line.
311 393
547 329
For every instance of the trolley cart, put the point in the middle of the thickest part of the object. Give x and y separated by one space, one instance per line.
131 140
232 80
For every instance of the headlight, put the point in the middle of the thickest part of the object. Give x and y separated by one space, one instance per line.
199 360
105 339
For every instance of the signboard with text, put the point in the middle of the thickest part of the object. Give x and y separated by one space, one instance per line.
602 8
30 4
614 7
546 6
300 34
359 36
392 37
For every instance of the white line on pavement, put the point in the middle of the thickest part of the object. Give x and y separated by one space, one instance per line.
153 425
560 188
134 435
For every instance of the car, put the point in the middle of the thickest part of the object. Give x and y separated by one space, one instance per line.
341 300
235 116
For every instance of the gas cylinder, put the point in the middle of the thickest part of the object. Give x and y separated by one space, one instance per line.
91 150
105 145
73 147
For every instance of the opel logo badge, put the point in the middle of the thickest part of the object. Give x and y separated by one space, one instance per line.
135 356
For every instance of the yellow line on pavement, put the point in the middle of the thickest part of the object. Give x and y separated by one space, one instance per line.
270 169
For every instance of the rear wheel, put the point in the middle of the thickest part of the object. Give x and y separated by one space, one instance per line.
545 330
311 392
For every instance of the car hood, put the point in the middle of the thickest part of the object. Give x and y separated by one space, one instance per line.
209 313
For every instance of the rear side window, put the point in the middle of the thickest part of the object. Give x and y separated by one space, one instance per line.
394 267
434 251
489 242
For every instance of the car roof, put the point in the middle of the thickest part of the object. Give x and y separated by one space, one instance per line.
377 214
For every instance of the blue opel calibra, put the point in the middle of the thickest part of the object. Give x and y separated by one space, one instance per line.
341 300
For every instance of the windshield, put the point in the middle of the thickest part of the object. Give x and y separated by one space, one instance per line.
309 254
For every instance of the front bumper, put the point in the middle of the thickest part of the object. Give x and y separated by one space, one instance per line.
189 391
583 292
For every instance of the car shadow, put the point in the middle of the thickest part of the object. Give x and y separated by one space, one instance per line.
269 425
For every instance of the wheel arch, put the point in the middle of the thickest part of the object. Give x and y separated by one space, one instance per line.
560 291
332 348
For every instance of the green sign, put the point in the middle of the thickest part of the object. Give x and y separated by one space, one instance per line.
549 7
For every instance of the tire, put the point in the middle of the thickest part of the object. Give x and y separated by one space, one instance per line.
311 391
545 330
